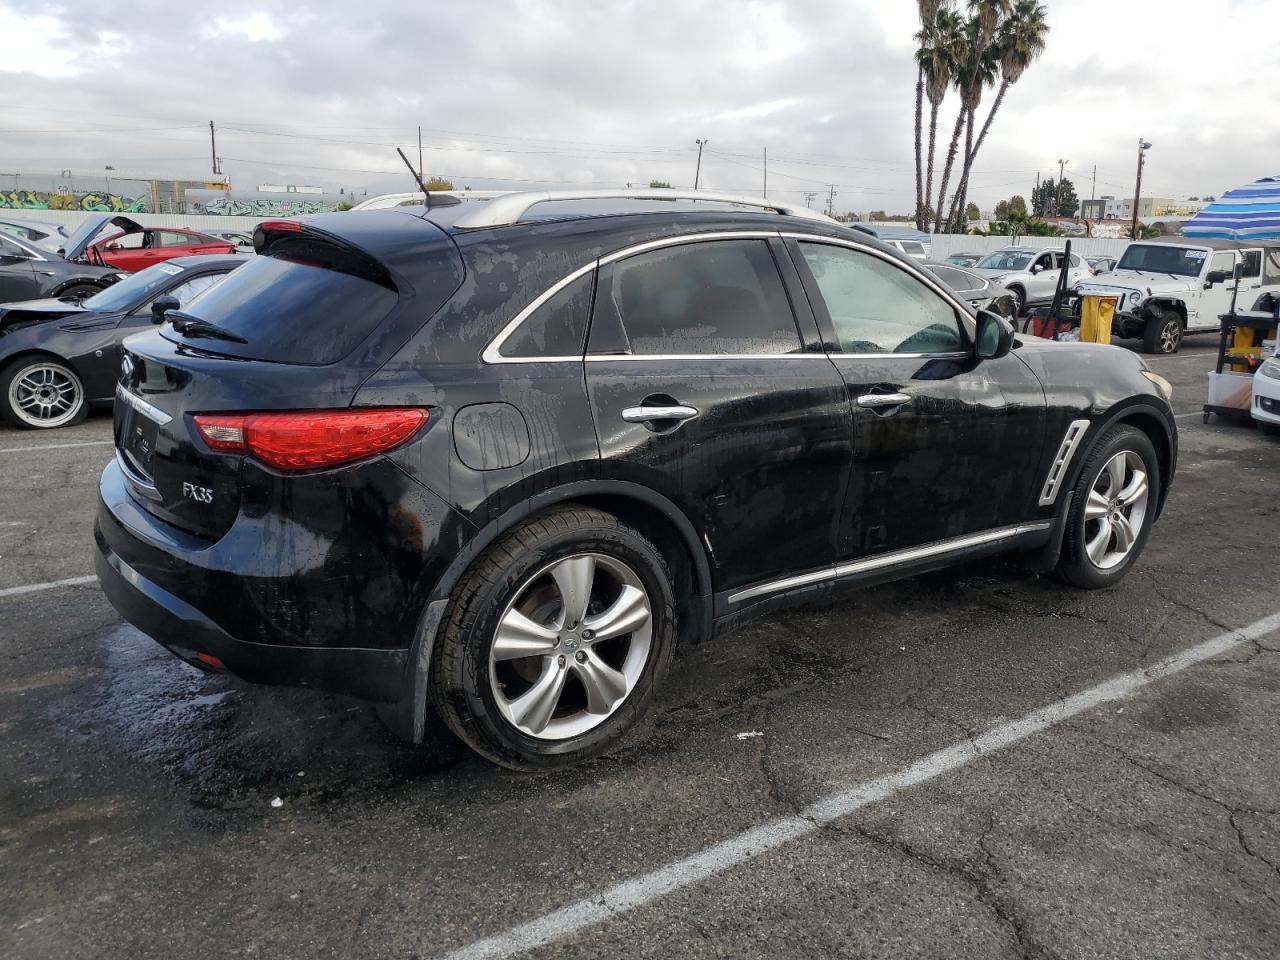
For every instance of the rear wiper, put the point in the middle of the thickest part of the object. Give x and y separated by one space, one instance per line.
190 326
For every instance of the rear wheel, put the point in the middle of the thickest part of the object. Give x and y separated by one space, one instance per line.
1112 509
554 640
40 393
1162 333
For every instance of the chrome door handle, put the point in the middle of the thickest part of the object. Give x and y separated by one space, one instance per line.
883 399
48 273
649 414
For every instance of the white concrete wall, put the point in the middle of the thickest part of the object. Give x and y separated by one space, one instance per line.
71 218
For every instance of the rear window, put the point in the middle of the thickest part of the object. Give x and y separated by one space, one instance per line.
305 302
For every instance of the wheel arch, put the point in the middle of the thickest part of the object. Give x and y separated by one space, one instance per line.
27 353
1165 304
638 505
63 285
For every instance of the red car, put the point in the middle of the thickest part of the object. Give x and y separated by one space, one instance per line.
132 250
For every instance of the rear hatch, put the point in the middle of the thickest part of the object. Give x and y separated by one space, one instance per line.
299 328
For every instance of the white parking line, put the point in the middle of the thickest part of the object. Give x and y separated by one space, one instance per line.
56 446
739 849
50 585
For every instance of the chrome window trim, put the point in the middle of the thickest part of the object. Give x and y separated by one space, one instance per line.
871 564
140 405
492 353
1071 441
23 245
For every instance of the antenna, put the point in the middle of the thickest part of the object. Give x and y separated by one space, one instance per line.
426 196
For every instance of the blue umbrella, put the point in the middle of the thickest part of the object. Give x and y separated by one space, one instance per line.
1247 213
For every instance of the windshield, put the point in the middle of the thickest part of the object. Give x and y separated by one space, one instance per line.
136 286
1180 261
1005 260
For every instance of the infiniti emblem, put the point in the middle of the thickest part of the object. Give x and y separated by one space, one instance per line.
126 366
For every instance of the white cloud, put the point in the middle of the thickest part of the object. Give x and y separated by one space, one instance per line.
254 27
32 45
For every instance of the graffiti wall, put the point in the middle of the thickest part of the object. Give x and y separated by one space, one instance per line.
238 203
91 201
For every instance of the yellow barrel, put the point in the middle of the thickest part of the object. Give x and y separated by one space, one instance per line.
1096 313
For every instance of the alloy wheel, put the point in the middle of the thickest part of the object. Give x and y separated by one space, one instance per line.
570 646
1116 510
45 394
1170 336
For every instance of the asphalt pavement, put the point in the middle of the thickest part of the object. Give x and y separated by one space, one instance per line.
977 763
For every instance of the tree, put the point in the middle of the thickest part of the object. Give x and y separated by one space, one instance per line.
439 183
1019 40
659 185
971 212
928 10
1001 211
1018 205
877 216
935 57
1066 203
1044 198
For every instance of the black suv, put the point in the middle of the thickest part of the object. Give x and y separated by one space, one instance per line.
497 459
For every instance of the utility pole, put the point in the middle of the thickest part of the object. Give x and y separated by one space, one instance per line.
1035 196
419 151
1093 191
213 150
809 197
1143 147
831 200
765 170
1062 168
697 173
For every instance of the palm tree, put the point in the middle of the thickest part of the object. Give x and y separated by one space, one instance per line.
936 59
1021 41
978 74
974 69
928 10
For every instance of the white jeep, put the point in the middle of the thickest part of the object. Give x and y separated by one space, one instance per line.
1169 288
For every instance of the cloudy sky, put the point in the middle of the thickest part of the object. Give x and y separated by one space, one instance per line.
604 92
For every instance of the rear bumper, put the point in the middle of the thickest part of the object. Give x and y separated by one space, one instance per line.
242 601
185 632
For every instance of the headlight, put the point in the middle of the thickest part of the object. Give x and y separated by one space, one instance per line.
1134 298
1163 385
1271 368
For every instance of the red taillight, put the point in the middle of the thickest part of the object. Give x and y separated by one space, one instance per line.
280 226
211 660
311 439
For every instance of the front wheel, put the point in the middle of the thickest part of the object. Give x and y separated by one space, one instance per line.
1019 301
40 393
1162 334
79 291
1112 509
555 640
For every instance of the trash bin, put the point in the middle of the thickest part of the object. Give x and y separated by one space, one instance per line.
1096 314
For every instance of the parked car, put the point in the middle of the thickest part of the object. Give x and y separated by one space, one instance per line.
46 236
28 271
60 356
914 243
243 241
503 459
964 259
1030 274
1172 287
975 289
1101 264
136 249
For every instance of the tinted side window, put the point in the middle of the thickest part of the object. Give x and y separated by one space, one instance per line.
877 307
558 327
186 292
8 249
955 279
704 298
1252 263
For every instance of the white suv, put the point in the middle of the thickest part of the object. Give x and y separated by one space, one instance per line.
1029 273
1171 287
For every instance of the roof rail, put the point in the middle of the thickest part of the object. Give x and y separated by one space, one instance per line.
509 208
388 200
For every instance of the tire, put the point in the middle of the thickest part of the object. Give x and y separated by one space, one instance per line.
1019 301
1163 333
41 393
485 688
1094 554
80 291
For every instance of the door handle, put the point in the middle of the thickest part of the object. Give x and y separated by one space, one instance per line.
48 273
874 400
648 414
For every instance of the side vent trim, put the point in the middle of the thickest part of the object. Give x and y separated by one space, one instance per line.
1062 460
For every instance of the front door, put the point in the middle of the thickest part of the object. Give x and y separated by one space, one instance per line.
1044 278
705 389
1216 300
18 280
945 445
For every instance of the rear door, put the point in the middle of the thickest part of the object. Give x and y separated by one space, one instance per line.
704 388
944 445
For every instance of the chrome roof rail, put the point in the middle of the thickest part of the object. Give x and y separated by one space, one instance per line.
509 208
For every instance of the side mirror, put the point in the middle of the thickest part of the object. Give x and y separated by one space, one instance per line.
994 338
1037 268
161 305
1215 277
112 247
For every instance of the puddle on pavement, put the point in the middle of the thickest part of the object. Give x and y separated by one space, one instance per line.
226 745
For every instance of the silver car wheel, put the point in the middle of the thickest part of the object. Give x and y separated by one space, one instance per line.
1170 336
1116 510
571 646
45 394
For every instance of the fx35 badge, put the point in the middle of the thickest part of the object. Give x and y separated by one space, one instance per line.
199 494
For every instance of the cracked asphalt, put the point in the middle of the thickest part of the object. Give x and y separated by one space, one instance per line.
136 803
